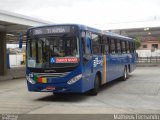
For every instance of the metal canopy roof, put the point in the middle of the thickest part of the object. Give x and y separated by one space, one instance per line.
138 29
13 24
144 32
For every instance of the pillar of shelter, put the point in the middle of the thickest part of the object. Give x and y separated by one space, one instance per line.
3 65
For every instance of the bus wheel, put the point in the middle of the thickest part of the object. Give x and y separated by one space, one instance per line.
125 74
95 90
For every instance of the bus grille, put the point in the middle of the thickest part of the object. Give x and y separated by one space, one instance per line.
51 75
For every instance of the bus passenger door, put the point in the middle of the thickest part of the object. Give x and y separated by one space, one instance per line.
87 61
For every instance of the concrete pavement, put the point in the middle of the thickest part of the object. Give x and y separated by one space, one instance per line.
139 94
14 73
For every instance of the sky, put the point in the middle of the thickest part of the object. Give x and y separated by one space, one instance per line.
96 13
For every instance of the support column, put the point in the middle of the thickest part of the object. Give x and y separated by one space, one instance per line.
3 65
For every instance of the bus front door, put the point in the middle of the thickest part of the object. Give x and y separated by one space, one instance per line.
87 64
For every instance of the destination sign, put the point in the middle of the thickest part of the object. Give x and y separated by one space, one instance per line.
51 30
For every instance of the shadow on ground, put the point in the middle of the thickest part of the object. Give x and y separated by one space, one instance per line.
76 97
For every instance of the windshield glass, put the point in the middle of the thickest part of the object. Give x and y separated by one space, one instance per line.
48 52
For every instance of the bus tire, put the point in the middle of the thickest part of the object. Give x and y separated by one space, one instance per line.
125 74
95 90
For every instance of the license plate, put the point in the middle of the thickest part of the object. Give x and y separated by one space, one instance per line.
50 88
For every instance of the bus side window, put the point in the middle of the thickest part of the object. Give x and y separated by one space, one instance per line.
96 43
123 47
127 46
83 46
133 47
115 42
112 42
118 46
105 44
130 47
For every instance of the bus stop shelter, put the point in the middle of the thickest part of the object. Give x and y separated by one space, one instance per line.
11 25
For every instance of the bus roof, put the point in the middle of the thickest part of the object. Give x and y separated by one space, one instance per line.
117 36
84 27
81 27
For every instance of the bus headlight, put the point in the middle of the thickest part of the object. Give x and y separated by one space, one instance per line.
30 80
75 79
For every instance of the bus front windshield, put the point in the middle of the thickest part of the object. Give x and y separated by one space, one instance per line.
46 52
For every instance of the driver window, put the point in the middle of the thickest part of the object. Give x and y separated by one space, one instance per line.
86 46
86 41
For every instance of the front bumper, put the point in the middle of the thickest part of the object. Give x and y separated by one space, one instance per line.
59 87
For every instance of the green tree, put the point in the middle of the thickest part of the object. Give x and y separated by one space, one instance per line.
138 42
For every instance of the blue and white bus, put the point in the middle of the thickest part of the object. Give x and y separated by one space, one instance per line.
76 58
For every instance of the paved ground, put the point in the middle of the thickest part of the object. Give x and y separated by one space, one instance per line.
139 94
14 73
